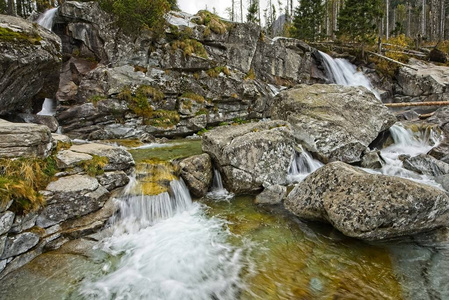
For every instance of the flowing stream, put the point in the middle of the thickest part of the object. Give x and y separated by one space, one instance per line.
46 18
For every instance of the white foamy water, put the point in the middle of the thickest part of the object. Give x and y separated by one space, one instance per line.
167 249
341 71
303 164
46 18
217 191
407 142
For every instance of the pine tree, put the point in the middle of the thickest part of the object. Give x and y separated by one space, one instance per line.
253 12
357 21
307 20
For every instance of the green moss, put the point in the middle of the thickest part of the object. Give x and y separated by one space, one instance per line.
175 150
164 118
251 75
214 72
212 22
190 47
149 91
202 111
9 35
97 98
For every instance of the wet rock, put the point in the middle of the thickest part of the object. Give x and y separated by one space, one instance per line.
427 165
441 152
49 121
69 159
444 181
372 160
368 206
118 158
6 221
22 139
197 173
71 197
334 122
19 244
272 194
2 246
113 180
23 222
436 55
251 154
29 65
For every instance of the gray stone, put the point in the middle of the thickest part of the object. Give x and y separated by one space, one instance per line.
19 244
22 139
23 222
70 197
118 158
251 154
49 121
368 206
441 152
426 164
2 245
113 180
69 159
27 67
444 181
334 122
5 205
197 173
273 194
6 221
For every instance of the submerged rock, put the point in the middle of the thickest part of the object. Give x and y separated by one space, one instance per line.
368 206
23 139
272 194
334 122
197 173
250 155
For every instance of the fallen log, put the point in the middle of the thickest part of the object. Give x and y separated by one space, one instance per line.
393 61
405 104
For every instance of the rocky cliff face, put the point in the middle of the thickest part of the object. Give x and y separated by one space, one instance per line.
30 60
204 73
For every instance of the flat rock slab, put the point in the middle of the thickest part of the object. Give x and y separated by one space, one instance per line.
368 206
69 159
250 155
335 122
23 139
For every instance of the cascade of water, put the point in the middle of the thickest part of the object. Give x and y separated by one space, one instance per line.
46 18
303 164
48 108
409 143
217 191
341 71
166 247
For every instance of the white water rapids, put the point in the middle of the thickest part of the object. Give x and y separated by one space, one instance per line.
217 191
341 71
167 249
46 18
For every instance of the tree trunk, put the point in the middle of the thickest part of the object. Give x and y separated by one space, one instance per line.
387 17
423 19
241 11
12 8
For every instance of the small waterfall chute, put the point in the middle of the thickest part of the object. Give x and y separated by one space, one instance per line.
48 108
302 165
47 17
341 71
218 191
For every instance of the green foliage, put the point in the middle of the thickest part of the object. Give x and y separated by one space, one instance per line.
251 75
214 72
134 14
164 118
149 91
202 111
22 179
94 166
253 12
212 22
307 19
97 98
9 35
202 131
357 20
239 121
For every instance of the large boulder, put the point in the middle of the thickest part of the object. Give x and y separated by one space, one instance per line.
23 139
250 155
30 60
368 206
332 121
70 197
426 164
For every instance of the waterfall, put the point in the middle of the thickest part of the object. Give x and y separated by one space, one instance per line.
303 164
341 71
48 108
46 18
217 191
165 247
